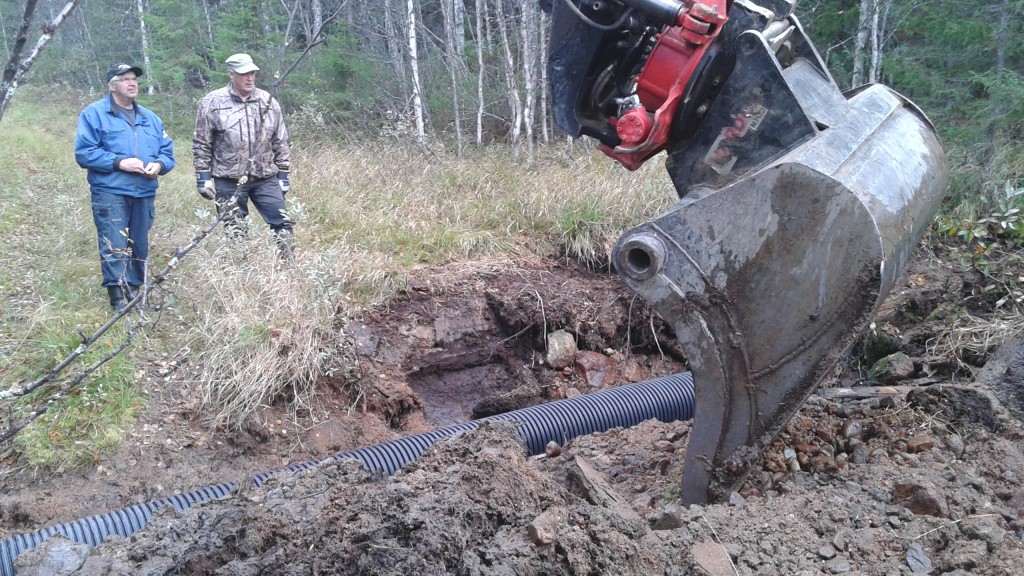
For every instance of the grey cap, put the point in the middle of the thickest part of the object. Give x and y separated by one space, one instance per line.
241 64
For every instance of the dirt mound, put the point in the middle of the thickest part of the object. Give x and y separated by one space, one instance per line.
924 500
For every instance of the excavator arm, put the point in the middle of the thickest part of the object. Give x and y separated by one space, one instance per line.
799 203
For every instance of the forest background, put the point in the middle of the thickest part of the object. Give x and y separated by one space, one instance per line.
458 73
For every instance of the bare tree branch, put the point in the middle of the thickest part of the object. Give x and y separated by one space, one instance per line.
13 74
12 430
317 39
159 279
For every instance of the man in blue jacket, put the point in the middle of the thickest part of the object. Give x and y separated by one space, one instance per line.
124 148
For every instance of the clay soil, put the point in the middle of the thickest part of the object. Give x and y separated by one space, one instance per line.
918 474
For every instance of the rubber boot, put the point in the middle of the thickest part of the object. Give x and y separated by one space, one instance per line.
134 291
117 297
285 244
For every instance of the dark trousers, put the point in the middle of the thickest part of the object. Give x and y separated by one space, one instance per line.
265 195
122 231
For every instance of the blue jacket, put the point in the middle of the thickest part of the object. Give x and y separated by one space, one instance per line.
104 138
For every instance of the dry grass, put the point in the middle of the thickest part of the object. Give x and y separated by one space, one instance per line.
426 209
992 315
368 216
974 338
264 329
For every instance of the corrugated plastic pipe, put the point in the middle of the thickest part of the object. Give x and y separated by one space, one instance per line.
668 399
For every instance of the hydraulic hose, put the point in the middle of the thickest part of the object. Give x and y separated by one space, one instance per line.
667 399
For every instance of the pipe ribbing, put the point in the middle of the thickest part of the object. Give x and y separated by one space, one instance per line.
668 399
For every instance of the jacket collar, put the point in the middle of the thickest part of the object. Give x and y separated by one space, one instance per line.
140 116
256 96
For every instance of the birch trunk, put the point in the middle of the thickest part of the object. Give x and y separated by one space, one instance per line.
417 101
311 18
488 34
424 33
480 72
145 43
3 29
515 104
454 69
860 44
209 23
529 36
876 47
92 46
543 60
19 43
1001 39
318 14
265 21
459 13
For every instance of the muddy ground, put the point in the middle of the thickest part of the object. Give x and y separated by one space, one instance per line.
922 475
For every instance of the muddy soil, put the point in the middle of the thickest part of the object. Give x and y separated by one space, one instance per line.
915 469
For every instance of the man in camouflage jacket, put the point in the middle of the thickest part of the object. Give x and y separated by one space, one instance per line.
240 149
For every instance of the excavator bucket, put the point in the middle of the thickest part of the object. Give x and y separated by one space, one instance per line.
800 204
769 280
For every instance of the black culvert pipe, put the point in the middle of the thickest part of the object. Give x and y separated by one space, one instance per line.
668 399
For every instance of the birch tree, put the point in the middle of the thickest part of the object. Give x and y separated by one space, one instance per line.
145 42
209 22
317 12
515 103
311 17
529 42
459 15
455 66
414 66
1006 13
3 30
545 134
869 41
867 10
87 38
480 45
319 37
876 45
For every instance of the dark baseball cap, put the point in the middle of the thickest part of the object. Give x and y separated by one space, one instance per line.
119 69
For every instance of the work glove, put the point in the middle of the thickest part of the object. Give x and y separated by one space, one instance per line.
204 185
282 181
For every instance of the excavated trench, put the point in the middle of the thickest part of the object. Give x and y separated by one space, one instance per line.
474 344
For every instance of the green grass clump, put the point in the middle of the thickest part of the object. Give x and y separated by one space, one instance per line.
90 422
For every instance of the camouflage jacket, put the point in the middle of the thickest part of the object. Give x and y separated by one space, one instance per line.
234 137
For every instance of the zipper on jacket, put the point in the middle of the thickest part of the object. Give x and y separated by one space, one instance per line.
138 151
250 161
